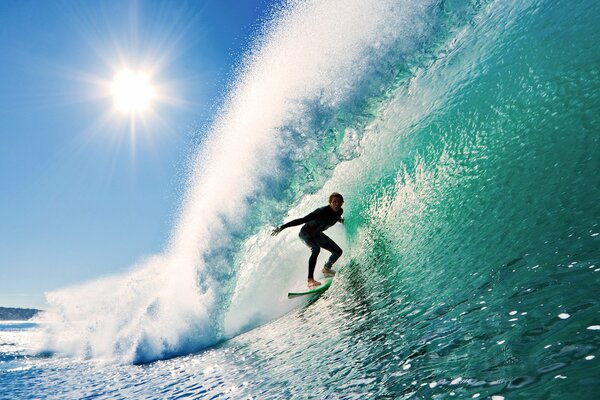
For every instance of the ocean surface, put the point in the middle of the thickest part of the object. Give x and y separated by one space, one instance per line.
465 138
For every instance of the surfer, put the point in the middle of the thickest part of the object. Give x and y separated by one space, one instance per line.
312 235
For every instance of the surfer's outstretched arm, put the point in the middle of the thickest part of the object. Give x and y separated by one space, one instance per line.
295 222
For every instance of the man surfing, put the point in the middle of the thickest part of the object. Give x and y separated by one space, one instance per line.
312 235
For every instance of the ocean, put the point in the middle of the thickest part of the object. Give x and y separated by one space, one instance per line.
465 138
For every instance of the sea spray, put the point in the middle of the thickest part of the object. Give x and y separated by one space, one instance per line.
316 68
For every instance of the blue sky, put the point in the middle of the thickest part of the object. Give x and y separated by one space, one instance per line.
82 194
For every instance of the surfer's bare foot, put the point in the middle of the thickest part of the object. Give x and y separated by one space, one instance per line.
312 283
328 272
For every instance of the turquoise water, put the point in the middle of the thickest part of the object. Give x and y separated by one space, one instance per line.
465 139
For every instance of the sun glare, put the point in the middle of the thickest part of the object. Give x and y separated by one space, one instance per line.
132 91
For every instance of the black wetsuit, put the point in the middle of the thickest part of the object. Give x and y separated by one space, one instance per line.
312 234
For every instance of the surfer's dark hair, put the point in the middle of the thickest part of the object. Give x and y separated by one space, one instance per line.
334 195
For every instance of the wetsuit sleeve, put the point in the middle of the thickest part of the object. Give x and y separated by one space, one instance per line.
313 215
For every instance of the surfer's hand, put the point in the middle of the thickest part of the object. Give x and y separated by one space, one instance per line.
341 220
276 231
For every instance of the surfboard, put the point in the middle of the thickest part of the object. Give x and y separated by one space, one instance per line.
319 289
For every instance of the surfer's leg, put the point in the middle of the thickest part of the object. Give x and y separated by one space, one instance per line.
336 252
312 261
315 249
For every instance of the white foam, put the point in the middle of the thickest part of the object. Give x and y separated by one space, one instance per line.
175 302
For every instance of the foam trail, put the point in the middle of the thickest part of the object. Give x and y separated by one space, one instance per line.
312 56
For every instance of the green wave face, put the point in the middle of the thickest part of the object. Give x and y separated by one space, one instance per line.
502 170
464 136
470 170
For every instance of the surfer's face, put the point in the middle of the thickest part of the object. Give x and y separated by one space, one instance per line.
336 203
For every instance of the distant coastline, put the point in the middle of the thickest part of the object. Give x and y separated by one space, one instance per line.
17 314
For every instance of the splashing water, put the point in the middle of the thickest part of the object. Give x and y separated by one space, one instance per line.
464 137
293 85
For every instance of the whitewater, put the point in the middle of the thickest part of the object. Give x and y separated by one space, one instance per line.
464 136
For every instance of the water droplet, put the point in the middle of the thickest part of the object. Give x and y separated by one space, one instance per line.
594 328
497 397
456 381
501 341
433 384
590 357
563 316
512 313
476 395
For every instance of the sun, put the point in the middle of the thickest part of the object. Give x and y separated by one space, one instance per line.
132 91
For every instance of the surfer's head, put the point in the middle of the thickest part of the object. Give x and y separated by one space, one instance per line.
335 201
